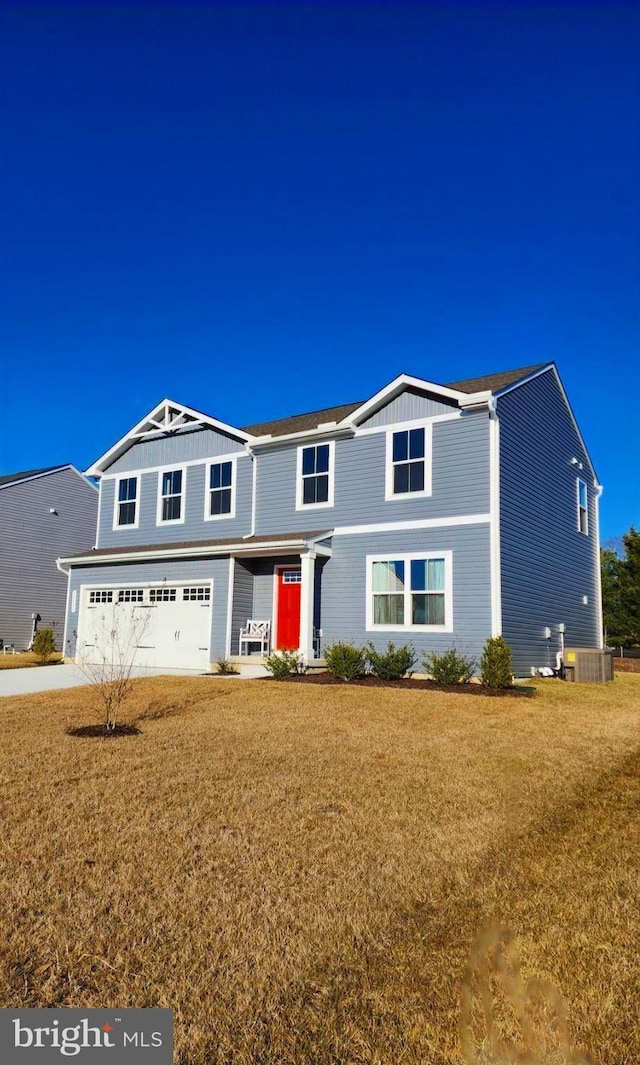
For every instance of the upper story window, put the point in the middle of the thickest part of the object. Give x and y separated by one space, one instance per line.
315 476
220 501
408 462
410 592
126 503
583 508
170 500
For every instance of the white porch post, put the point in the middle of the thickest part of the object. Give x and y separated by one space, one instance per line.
308 573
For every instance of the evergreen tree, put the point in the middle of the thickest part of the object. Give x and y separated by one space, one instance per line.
621 591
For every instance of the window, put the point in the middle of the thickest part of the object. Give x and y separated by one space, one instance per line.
200 594
583 508
409 463
100 597
162 595
315 476
170 502
130 595
292 576
410 592
220 490
127 503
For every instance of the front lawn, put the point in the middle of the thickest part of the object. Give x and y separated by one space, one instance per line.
23 659
301 871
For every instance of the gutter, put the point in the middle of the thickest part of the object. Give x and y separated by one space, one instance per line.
263 548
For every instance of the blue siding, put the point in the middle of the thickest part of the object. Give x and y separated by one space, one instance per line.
460 481
242 608
547 565
408 406
152 573
194 527
178 447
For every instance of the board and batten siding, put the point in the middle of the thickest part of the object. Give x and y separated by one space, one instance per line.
152 573
194 527
547 565
409 406
344 587
31 539
180 446
460 481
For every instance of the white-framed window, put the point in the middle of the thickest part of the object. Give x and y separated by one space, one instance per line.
171 496
409 593
220 499
292 576
125 514
408 461
315 475
130 595
162 595
100 596
583 507
198 594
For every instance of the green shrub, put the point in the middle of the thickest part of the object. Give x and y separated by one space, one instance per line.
346 661
496 664
394 663
43 645
451 667
226 666
284 664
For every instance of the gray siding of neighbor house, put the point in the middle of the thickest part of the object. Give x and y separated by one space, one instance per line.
182 446
194 527
409 406
547 565
242 601
31 539
344 587
151 573
460 481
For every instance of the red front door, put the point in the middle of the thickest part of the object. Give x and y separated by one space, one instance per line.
288 631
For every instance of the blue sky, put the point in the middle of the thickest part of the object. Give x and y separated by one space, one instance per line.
263 209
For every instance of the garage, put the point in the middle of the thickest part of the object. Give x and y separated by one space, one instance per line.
155 626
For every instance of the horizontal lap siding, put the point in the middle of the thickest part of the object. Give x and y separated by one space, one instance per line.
547 565
263 584
155 573
344 587
460 475
194 526
179 447
31 539
242 601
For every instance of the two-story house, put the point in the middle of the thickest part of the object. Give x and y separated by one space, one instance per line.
436 514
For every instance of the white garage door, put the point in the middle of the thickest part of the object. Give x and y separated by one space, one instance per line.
165 625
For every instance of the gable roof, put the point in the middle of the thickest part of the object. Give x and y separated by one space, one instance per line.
495 382
27 475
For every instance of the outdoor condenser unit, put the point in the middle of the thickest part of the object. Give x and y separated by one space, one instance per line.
586 665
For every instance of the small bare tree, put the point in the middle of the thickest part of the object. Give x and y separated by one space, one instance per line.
117 638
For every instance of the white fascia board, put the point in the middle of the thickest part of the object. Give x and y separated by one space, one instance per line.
84 477
393 389
261 548
551 367
125 441
321 433
475 400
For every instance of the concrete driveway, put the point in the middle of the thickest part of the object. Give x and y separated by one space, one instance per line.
49 678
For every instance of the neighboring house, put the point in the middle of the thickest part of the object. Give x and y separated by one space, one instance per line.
427 513
43 514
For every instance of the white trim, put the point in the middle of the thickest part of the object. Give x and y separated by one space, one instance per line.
259 549
400 556
229 634
397 426
323 432
116 502
394 388
66 616
307 589
169 466
149 425
389 494
598 569
254 492
183 496
418 523
494 527
331 444
208 490
580 508
96 544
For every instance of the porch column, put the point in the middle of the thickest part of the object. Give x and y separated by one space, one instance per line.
308 573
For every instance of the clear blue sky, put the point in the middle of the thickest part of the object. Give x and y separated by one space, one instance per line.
264 209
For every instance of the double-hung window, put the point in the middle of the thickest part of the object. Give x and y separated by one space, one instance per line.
410 592
170 497
126 509
220 501
583 508
315 476
409 462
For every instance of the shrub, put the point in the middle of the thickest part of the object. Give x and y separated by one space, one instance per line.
496 664
43 645
283 664
452 667
346 661
394 663
226 666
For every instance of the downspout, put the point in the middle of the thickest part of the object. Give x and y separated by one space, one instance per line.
599 490
494 524
254 488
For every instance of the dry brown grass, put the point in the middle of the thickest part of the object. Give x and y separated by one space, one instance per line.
301 872
23 659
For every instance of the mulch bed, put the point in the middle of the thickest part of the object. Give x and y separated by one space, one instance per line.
626 665
411 683
102 732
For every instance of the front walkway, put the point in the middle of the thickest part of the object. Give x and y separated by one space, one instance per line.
49 678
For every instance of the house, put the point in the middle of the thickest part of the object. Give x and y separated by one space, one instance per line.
429 513
43 513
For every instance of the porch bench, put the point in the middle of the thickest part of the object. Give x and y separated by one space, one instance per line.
255 632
